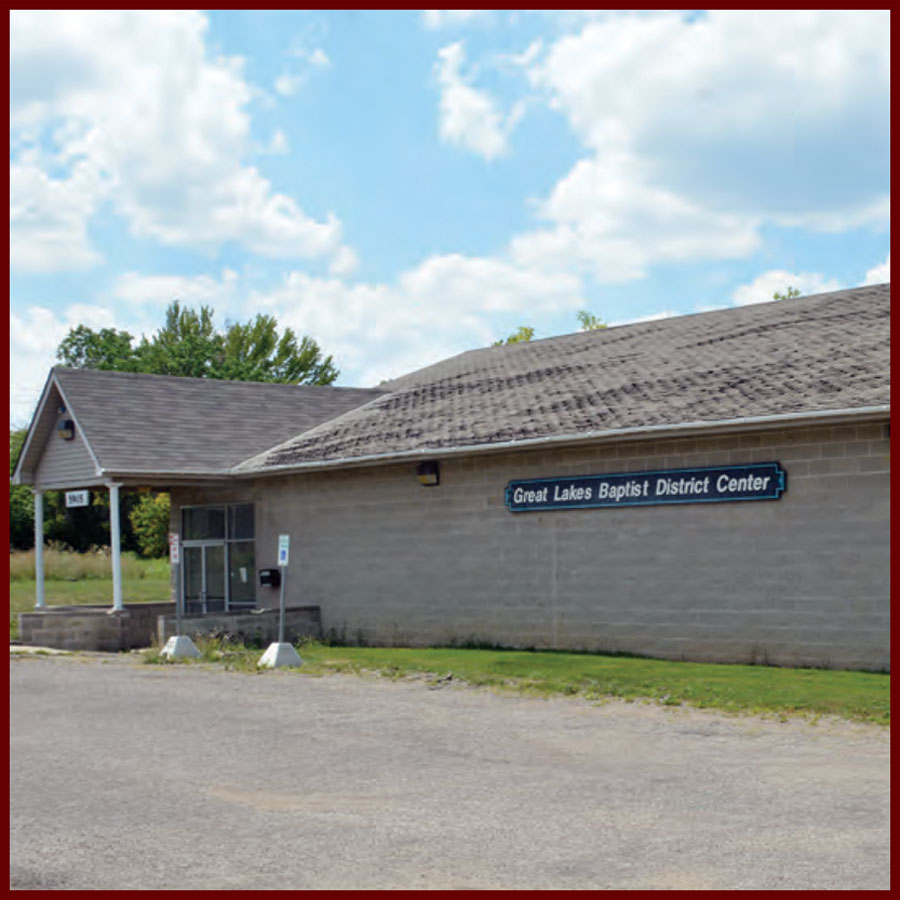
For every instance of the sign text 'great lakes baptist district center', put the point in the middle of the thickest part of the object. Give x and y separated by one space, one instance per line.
758 481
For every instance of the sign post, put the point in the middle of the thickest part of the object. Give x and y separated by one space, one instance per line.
281 653
179 645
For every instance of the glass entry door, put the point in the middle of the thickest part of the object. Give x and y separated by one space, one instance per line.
204 578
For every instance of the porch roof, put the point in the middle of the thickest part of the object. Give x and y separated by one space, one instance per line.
130 425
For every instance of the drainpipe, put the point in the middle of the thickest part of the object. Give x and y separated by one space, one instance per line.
115 541
39 549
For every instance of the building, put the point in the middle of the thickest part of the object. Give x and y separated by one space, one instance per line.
704 487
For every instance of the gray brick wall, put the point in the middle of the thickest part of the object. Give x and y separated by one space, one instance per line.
799 581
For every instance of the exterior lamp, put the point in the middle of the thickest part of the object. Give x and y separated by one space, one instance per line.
66 429
428 473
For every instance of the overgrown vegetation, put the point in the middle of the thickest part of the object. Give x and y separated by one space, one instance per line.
781 692
63 565
76 579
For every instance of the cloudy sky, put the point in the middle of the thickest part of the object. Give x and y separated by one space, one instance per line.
403 186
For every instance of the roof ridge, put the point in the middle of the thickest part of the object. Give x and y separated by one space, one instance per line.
76 370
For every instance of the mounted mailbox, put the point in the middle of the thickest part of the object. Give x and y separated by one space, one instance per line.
270 578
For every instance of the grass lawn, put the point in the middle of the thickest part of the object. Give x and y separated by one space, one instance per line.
864 696
861 696
143 581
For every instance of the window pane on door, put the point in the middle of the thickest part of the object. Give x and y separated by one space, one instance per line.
203 523
241 572
215 578
193 580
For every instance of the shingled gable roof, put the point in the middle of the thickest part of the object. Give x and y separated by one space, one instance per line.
135 423
805 355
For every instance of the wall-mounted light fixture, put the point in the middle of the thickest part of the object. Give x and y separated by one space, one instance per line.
65 428
429 473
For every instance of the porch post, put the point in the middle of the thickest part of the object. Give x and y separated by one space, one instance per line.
39 549
115 542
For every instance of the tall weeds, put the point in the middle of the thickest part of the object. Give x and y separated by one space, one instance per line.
63 565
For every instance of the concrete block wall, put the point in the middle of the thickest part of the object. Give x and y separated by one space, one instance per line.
92 627
260 625
803 580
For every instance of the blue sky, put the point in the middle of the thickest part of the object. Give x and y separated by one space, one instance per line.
404 186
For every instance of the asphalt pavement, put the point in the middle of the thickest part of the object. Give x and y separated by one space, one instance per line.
128 776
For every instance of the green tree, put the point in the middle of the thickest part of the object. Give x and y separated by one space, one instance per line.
189 345
21 500
523 334
83 348
254 352
588 321
787 295
150 524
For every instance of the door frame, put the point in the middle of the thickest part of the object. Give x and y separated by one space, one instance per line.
223 542
203 546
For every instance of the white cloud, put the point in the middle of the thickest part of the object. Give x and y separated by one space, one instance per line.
752 111
33 339
880 273
444 306
279 143
610 219
764 286
469 118
434 19
48 218
319 58
155 124
158 291
875 214
343 263
700 129
288 83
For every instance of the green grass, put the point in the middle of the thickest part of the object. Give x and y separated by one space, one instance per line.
143 581
780 692
63 565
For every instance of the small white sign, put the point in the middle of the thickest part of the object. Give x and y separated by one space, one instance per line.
173 546
78 498
284 547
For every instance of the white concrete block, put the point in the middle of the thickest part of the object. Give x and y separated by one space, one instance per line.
180 647
278 655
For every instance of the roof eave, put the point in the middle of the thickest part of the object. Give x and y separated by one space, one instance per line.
645 432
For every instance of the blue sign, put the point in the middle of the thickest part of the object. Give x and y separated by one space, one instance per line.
711 484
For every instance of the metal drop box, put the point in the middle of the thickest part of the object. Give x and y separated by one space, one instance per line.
269 578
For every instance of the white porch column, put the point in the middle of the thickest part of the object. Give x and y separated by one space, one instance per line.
115 541
38 549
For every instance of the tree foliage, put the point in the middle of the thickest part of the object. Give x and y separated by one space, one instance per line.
189 345
588 321
523 334
21 502
150 524
83 348
790 292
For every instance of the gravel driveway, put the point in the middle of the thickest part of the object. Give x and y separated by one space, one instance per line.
129 776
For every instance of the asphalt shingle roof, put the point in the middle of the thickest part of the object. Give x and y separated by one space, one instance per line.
137 422
815 353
